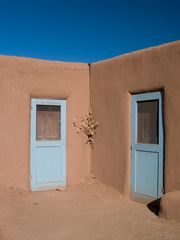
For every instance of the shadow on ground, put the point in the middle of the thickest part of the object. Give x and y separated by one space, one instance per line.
154 206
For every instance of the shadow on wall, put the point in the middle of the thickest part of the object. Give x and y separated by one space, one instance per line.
111 142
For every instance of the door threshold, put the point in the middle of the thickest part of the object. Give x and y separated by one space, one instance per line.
141 198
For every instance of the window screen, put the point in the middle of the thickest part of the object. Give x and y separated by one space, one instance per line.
48 125
147 122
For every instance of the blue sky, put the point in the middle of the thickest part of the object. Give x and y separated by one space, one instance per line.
85 31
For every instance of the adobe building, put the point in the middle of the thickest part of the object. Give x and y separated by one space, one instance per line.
22 82
134 97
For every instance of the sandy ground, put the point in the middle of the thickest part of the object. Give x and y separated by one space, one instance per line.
83 212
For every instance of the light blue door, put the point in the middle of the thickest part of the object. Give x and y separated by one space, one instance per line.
147 146
48 144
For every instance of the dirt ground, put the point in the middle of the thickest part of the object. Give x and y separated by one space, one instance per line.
87 211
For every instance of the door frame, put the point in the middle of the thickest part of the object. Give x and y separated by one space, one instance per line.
55 102
160 147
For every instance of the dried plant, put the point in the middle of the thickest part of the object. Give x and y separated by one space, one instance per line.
87 126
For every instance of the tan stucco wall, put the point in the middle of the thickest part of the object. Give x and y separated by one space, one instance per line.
112 81
21 79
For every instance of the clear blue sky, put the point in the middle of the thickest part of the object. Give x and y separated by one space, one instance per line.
84 30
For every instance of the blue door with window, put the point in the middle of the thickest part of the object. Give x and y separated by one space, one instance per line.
48 144
147 146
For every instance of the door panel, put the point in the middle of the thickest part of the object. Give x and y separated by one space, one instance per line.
146 173
147 145
48 144
48 164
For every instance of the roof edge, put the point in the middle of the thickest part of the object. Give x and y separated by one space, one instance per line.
138 52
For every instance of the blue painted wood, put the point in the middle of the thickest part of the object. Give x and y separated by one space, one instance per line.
146 159
48 158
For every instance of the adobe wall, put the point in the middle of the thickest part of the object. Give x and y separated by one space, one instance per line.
112 81
21 79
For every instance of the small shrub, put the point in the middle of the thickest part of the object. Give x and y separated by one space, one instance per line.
88 126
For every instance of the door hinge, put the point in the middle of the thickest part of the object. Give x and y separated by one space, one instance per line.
30 177
162 190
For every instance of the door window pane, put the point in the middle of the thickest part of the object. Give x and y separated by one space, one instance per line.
147 122
48 125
